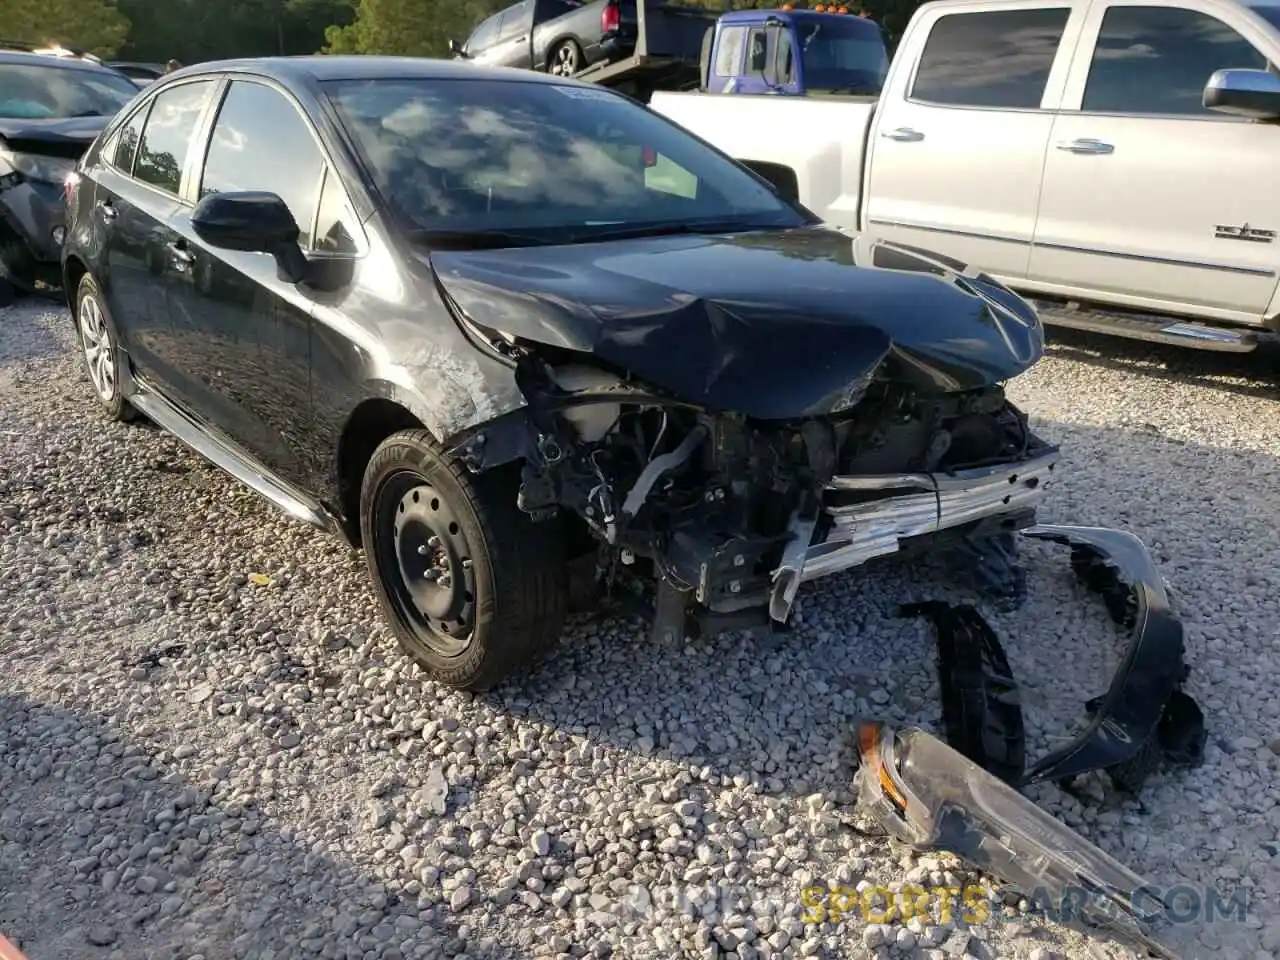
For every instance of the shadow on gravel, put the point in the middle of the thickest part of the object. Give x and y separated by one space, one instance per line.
1255 374
157 868
21 339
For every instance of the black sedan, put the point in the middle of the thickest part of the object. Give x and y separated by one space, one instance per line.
507 331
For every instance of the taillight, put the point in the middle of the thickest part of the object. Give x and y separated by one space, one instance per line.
610 18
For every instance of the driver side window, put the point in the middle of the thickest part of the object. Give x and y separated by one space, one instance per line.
261 142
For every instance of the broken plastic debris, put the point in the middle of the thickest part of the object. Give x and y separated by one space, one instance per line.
981 706
926 794
1144 718
259 579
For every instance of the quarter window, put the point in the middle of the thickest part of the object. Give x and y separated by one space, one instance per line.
1157 60
168 133
261 142
124 143
335 224
999 59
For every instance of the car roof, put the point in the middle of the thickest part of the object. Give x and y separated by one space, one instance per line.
364 67
31 58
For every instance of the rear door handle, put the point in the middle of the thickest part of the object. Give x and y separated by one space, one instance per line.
109 212
903 134
1085 145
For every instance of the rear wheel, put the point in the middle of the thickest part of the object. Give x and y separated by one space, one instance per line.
566 59
100 349
471 587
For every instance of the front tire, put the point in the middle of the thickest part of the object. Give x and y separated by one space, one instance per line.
100 349
473 589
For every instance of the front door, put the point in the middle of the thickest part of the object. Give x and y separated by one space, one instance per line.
956 156
1148 197
247 332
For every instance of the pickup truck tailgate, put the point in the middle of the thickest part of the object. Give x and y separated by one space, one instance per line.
821 140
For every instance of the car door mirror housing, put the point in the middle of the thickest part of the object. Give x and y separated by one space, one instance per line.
252 222
1244 93
456 48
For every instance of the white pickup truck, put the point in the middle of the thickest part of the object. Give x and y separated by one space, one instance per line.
1117 161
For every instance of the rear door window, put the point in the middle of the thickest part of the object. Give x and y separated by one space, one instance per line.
167 137
998 59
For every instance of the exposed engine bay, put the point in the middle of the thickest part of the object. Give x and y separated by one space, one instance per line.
724 516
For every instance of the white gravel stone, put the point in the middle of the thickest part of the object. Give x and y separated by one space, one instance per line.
210 746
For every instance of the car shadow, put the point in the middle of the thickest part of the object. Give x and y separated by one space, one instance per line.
1253 374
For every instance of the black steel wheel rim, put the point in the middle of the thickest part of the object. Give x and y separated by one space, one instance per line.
426 557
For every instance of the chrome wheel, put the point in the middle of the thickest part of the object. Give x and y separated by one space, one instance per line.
99 348
565 63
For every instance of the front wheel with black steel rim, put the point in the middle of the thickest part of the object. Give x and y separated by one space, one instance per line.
99 347
473 588
566 59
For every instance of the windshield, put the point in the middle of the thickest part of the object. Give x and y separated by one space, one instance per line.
53 92
549 161
843 54
1269 13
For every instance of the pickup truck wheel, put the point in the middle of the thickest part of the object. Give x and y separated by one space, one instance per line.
565 59
473 589
100 349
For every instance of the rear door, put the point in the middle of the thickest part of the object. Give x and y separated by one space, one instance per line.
957 149
1150 199
136 195
246 333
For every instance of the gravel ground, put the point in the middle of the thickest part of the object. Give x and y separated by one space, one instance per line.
213 750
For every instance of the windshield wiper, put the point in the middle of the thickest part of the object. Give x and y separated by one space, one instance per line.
673 228
472 239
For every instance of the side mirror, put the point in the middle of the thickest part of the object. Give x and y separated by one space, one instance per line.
1244 93
456 48
252 222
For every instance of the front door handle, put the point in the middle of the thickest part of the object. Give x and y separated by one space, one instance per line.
903 134
1085 145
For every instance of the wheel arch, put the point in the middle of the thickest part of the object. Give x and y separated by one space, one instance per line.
554 45
368 424
73 271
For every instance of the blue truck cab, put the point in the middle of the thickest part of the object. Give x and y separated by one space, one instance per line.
794 52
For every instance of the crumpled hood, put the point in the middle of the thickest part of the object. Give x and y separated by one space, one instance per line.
774 325
68 131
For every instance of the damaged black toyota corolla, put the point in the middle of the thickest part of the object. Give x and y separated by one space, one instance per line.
496 327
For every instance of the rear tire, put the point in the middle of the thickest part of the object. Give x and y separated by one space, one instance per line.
100 350
471 587
565 60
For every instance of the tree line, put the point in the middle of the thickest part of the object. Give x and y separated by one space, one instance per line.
192 31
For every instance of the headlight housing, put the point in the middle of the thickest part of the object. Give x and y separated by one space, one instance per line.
38 168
